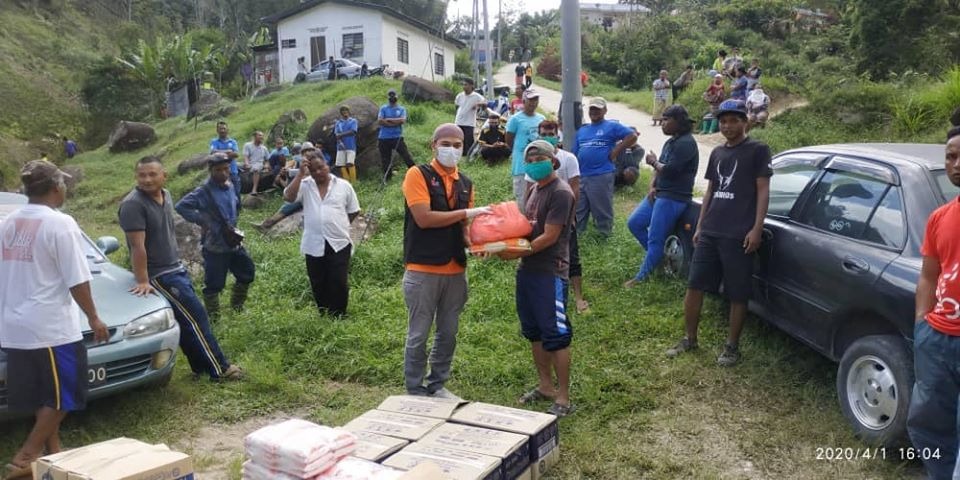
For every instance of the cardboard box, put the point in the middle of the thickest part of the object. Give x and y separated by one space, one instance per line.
117 459
399 425
455 464
540 427
424 471
441 408
513 449
376 447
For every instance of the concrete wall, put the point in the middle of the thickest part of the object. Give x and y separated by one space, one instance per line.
422 47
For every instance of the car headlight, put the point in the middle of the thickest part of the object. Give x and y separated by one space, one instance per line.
156 322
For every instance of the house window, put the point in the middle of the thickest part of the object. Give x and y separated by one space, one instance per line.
288 43
403 51
352 45
438 63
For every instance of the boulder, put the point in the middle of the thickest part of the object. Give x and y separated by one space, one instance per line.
246 180
283 124
361 229
288 226
263 92
416 89
207 103
76 176
253 202
188 243
365 111
130 136
222 112
196 162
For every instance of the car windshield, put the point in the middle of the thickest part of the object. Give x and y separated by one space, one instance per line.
947 189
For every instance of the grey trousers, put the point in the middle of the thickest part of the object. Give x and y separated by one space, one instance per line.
596 198
431 297
520 191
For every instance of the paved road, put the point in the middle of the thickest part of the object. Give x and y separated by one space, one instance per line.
651 138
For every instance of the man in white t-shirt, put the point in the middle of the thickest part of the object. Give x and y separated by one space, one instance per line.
329 207
468 102
255 154
45 277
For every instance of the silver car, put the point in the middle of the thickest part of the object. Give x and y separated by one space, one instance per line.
345 69
144 336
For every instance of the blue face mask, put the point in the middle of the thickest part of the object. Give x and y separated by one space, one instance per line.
538 170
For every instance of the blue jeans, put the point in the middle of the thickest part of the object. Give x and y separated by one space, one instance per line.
237 185
289 208
216 266
196 339
932 421
596 198
650 223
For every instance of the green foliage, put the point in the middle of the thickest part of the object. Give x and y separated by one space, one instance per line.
751 15
111 94
462 63
910 117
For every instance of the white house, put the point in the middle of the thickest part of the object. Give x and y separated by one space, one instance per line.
361 32
610 15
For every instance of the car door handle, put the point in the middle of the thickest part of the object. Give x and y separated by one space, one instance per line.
855 265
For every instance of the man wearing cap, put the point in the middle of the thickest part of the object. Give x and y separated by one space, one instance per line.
670 190
254 156
213 208
223 145
542 278
493 141
346 132
146 217
391 119
439 202
45 276
597 146
729 230
468 102
521 130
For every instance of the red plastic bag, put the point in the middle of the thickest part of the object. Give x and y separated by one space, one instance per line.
504 223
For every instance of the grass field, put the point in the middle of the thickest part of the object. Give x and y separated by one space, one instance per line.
641 415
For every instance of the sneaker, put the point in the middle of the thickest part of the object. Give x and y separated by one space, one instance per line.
684 345
730 356
446 394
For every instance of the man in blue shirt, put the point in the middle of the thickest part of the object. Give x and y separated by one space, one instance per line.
346 132
223 145
70 148
597 147
214 207
523 128
391 119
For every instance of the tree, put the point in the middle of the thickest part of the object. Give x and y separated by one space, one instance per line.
885 34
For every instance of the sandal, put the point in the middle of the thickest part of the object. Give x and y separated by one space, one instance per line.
12 471
534 395
561 410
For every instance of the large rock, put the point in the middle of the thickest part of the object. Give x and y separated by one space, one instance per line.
208 103
284 123
222 112
361 229
288 226
130 136
188 243
365 111
196 162
263 92
253 202
246 181
76 176
416 88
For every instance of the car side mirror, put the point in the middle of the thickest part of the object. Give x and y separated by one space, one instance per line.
108 245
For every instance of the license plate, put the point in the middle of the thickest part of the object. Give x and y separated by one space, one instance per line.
96 375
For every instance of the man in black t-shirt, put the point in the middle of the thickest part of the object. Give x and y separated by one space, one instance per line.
493 141
730 228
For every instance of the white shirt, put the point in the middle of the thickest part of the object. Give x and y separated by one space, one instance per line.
255 154
41 258
467 108
326 220
569 167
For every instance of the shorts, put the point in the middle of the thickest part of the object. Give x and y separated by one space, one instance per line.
256 167
54 377
542 308
716 260
346 157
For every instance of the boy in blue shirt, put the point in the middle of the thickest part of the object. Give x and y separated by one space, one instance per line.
346 132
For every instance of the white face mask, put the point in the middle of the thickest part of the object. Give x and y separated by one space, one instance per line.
449 156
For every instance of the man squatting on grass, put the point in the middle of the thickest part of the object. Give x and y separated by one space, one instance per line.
543 275
43 270
146 217
932 421
439 202
729 230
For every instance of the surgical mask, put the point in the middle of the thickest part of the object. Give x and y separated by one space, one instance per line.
552 140
538 170
449 156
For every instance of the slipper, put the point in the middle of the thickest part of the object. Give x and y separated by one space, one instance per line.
12 471
583 307
534 395
561 410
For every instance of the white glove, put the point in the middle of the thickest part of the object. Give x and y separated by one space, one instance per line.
473 212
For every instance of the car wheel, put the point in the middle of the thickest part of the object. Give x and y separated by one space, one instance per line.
677 254
874 382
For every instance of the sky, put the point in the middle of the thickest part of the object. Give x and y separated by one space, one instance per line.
532 6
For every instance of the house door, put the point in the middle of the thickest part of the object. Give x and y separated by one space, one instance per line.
318 51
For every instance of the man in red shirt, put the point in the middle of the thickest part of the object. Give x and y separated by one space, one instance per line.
932 422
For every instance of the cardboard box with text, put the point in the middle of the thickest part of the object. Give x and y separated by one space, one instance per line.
540 427
511 448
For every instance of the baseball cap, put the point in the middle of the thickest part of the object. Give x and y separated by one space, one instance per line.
217 160
678 113
540 147
38 171
732 106
598 102
530 94
307 146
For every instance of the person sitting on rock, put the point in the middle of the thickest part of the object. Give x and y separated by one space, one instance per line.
289 208
278 157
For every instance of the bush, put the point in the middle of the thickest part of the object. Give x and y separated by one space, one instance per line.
549 65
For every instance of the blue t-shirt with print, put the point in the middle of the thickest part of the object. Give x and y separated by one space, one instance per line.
386 112
594 143
350 141
228 144
525 129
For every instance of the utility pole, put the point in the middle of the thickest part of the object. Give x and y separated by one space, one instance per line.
474 26
500 26
571 103
488 51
